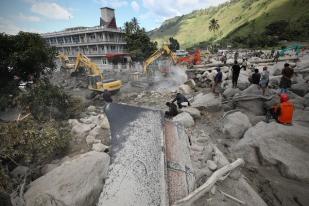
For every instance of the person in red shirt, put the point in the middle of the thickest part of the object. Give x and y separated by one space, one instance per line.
283 112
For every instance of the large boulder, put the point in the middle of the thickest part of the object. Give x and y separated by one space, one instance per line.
76 182
208 101
301 117
253 89
306 100
300 89
195 113
185 89
230 92
185 119
284 147
254 106
236 124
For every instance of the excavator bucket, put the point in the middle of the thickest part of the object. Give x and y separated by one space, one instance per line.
145 170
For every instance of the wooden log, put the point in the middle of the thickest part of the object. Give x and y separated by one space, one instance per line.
233 198
206 187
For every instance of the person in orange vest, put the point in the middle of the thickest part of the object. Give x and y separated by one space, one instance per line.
283 112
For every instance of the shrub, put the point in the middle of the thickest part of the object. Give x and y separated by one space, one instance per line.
28 141
46 101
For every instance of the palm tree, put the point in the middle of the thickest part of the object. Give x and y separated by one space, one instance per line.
213 25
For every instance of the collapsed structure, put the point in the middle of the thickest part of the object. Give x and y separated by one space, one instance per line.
104 44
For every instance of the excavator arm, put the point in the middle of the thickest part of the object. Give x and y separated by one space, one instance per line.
82 60
157 54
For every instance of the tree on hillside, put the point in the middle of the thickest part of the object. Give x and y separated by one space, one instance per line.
174 44
213 25
138 42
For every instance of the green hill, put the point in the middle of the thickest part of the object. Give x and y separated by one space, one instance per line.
239 20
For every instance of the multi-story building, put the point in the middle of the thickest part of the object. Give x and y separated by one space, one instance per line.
105 44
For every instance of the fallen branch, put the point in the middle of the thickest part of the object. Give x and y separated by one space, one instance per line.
24 117
233 198
206 187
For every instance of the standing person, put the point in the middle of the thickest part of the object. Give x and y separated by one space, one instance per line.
256 77
107 96
236 55
244 64
172 110
264 80
182 101
235 73
276 57
285 82
217 81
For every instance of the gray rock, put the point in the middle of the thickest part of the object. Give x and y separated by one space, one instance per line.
185 119
48 167
208 101
301 117
300 89
277 72
75 182
285 147
195 113
91 140
236 124
255 106
19 171
185 89
274 82
253 89
211 165
306 100
81 130
230 92
91 108
99 147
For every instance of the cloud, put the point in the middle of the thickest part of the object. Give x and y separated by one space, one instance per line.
135 6
113 3
51 10
7 26
170 8
10 27
23 17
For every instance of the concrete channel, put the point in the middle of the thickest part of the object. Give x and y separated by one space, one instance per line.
150 161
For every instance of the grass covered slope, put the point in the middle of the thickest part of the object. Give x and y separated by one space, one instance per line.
237 18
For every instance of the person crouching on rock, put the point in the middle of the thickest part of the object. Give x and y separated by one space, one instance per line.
283 112
182 101
172 110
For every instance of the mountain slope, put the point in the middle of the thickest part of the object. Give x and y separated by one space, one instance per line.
236 18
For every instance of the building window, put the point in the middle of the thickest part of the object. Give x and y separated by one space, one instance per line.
113 48
60 40
104 61
67 39
94 48
53 41
76 39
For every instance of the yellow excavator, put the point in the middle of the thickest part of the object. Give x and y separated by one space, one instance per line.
95 76
165 50
64 59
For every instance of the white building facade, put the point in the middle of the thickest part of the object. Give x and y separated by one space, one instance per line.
105 44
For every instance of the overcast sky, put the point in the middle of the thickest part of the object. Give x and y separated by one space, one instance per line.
54 15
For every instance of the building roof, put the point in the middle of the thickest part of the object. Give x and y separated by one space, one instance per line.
105 7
